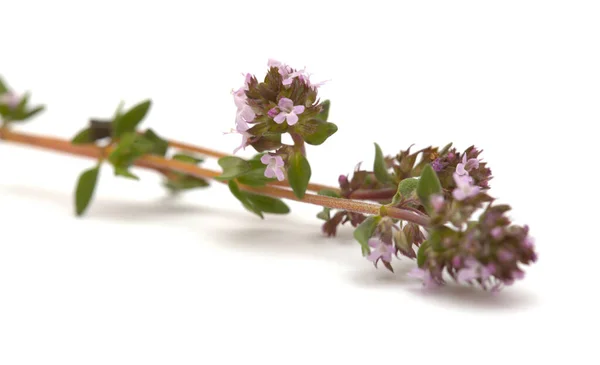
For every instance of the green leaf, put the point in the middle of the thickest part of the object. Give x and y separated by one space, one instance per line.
83 137
406 188
129 121
315 131
187 158
34 111
327 192
3 87
325 214
429 184
160 145
86 184
243 198
233 167
422 253
124 172
299 174
380 167
185 182
446 148
324 114
364 231
267 204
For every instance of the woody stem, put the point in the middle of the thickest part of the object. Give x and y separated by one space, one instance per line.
161 164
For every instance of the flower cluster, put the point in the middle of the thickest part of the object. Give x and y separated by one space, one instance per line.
284 102
488 252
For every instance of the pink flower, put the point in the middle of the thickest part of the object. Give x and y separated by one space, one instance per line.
473 270
288 111
382 251
275 166
465 189
437 202
286 72
465 166
10 99
242 128
428 280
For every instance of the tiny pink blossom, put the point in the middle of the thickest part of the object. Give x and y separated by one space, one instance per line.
242 128
288 112
465 189
465 166
505 255
497 232
275 166
428 280
10 99
473 270
437 202
273 112
381 251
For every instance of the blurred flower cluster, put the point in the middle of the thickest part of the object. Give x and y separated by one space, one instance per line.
450 188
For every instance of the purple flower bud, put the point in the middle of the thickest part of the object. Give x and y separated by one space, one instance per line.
505 255
10 99
437 165
437 202
497 233
273 112
343 180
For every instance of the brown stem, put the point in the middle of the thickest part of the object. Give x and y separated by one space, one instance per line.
378 194
161 164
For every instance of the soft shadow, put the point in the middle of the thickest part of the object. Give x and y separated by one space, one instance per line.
284 236
451 294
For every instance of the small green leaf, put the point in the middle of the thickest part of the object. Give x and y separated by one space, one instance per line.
185 182
243 198
315 131
406 189
324 114
160 145
446 148
3 87
124 172
299 174
34 111
380 167
267 204
327 192
83 137
364 231
129 121
325 214
187 158
422 253
233 167
429 184
86 184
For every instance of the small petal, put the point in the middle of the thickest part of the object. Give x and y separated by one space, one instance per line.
460 169
298 109
265 159
286 104
292 119
280 118
279 174
458 194
279 161
287 82
270 173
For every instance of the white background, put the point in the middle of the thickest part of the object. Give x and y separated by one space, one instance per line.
144 279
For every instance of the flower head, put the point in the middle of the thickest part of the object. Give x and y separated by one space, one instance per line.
381 251
464 187
10 99
288 112
465 166
275 166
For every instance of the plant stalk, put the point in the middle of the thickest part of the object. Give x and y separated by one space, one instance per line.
163 165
